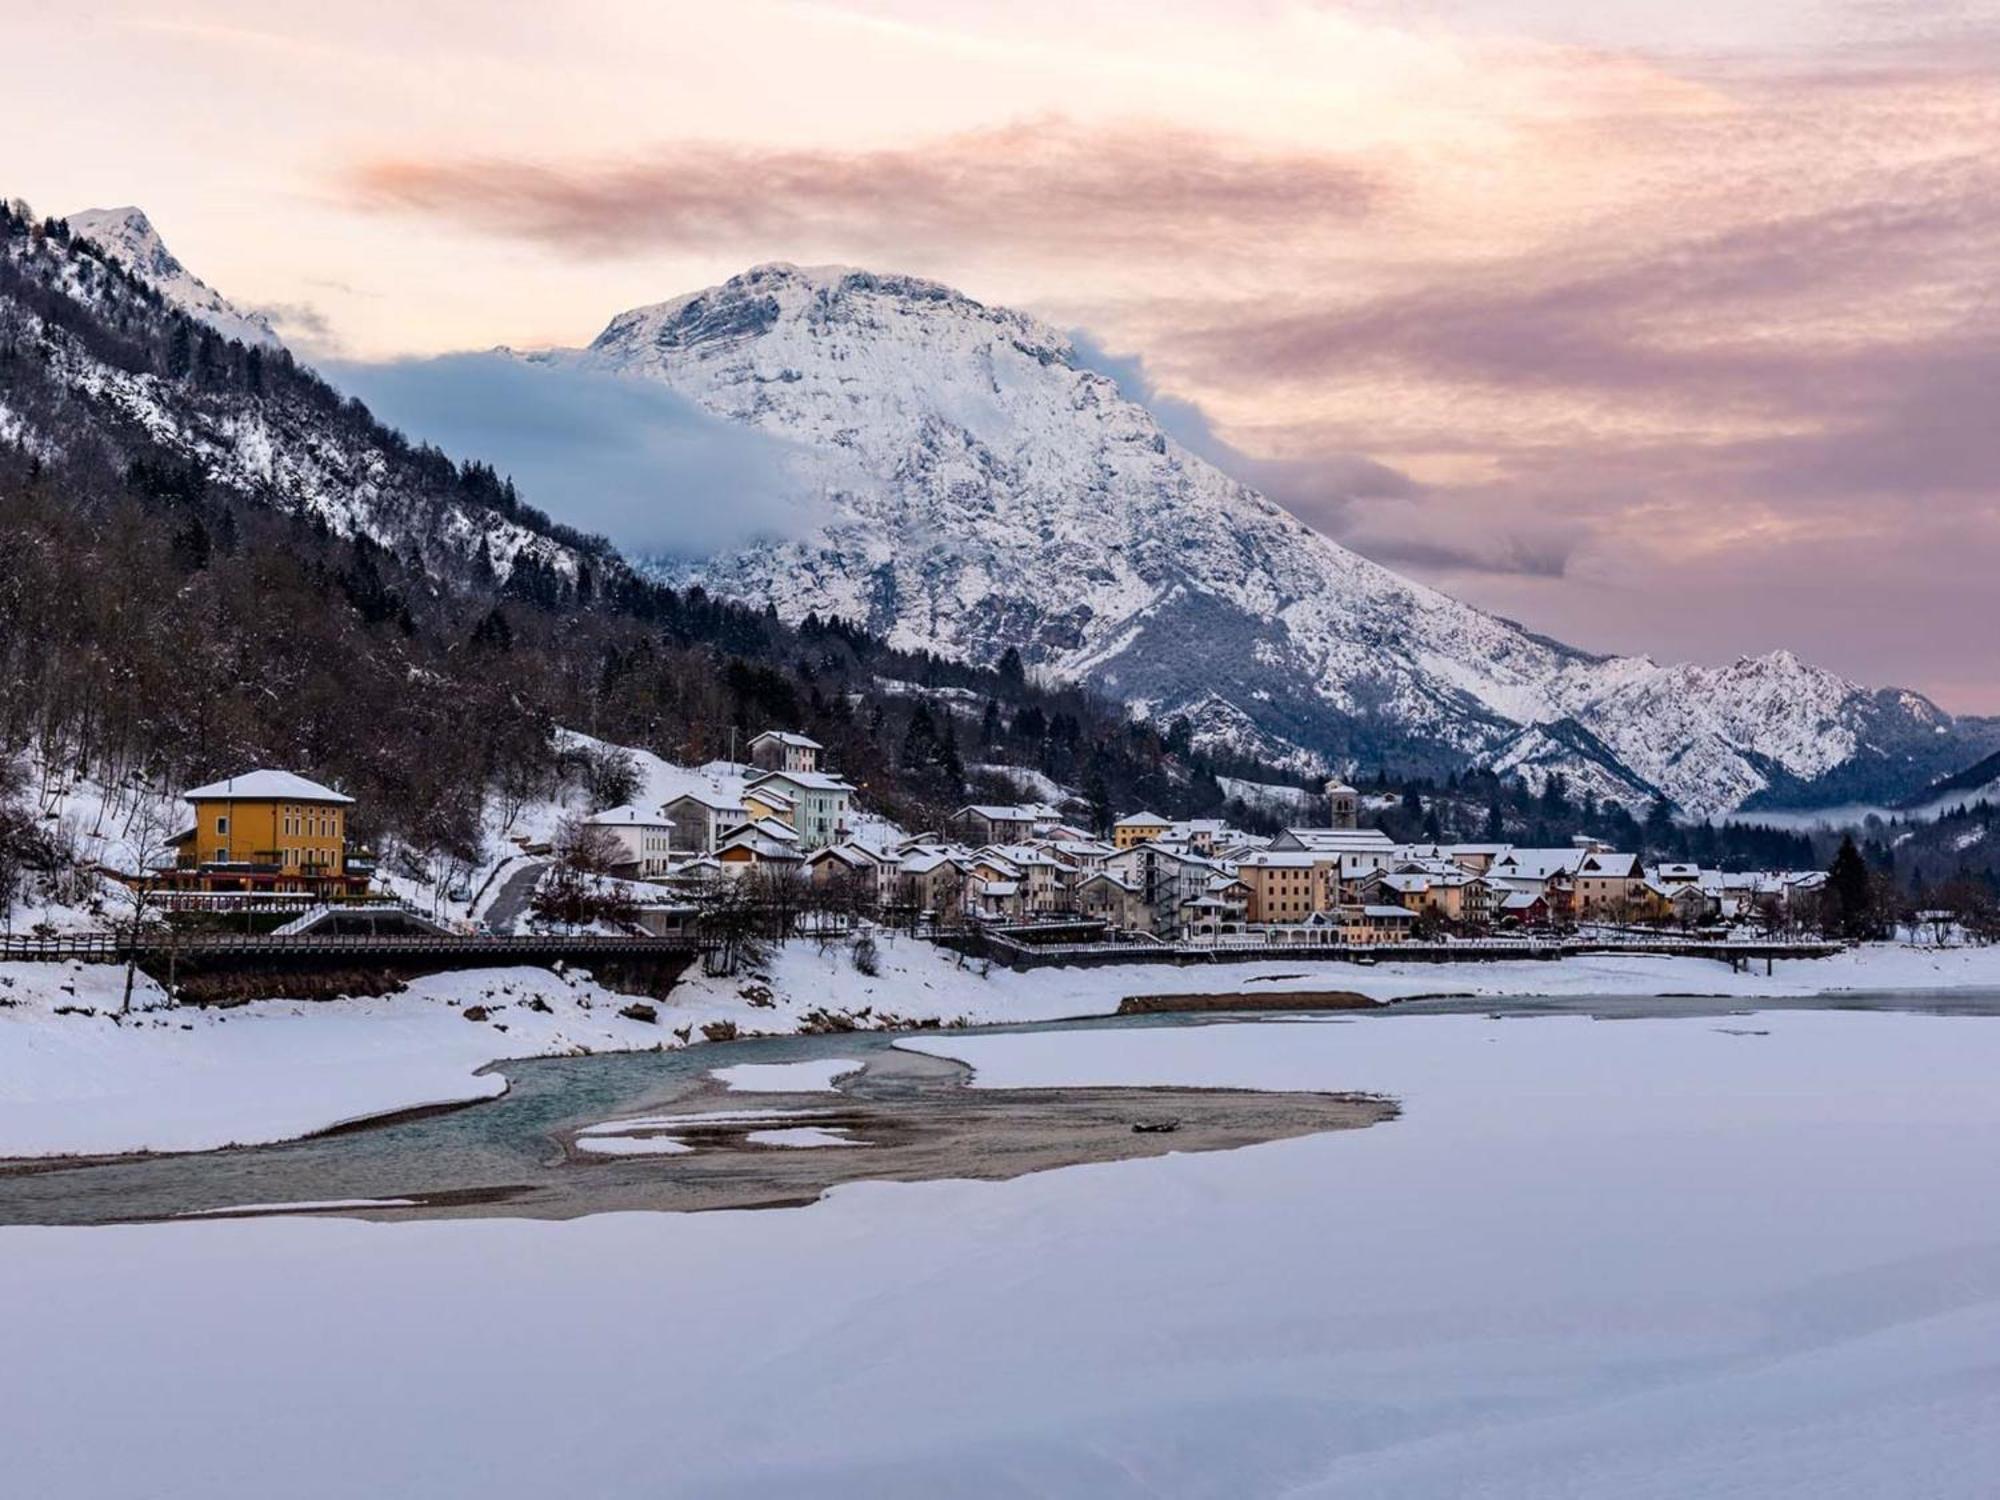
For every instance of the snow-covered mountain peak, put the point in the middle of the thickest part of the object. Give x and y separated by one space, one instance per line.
987 491
817 302
128 235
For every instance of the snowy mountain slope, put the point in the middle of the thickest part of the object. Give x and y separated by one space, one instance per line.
128 235
988 491
115 368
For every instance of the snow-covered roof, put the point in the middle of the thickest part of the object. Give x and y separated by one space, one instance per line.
1539 864
1410 882
1279 859
265 786
812 781
1156 850
1390 913
756 842
713 801
1024 855
786 737
1338 840
1616 866
1002 813
1142 820
629 817
1108 878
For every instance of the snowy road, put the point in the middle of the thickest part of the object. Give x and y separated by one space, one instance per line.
510 902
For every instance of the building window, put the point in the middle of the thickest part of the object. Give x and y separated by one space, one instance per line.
222 825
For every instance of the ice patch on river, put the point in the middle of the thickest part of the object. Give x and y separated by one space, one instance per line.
806 1136
814 1077
632 1145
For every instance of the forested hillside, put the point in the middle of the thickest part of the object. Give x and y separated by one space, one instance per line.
209 560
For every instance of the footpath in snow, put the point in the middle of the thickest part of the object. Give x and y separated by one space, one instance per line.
75 1078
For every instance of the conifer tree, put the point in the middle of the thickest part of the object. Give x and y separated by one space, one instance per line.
1850 892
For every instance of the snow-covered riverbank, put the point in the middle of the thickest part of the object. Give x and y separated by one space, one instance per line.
76 1078
1651 1258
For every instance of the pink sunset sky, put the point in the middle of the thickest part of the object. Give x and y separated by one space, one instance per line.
1658 325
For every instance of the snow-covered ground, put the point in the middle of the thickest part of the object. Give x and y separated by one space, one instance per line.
76 1078
1652 1259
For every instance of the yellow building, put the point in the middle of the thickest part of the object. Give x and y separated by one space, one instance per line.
267 831
1140 828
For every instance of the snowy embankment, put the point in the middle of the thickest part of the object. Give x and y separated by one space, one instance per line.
77 1078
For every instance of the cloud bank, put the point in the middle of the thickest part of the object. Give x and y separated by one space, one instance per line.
627 459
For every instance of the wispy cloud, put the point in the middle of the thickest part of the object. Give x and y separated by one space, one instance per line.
1045 184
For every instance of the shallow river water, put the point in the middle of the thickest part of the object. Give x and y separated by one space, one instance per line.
540 1150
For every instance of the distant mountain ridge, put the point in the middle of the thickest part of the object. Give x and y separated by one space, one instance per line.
128 235
988 490
127 343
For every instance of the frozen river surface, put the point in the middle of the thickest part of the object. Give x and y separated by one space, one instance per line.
1743 1255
